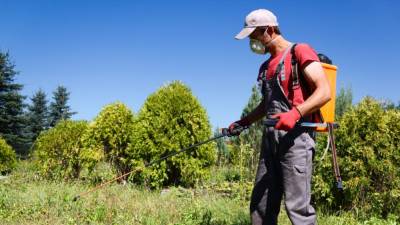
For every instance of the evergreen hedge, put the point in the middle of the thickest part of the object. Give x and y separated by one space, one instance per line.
172 119
368 144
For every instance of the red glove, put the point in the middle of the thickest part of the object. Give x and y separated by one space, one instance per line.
287 120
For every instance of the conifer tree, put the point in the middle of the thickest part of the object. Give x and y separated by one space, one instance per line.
12 119
37 115
59 108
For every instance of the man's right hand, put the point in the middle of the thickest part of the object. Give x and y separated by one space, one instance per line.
233 130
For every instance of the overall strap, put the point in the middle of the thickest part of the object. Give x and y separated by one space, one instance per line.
263 75
280 69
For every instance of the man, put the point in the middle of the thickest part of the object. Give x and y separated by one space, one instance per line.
285 167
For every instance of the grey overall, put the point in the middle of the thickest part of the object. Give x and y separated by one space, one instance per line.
285 166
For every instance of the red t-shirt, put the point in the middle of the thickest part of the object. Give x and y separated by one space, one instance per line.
304 55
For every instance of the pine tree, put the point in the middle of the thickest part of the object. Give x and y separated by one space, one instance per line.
37 115
59 109
12 119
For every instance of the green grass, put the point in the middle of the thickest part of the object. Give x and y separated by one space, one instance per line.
25 198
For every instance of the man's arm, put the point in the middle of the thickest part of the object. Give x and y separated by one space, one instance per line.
236 127
316 78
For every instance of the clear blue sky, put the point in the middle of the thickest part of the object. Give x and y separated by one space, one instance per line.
104 51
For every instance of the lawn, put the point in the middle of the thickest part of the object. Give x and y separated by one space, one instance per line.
25 198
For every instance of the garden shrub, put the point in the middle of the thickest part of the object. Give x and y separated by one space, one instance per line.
111 132
368 146
8 159
172 119
60 152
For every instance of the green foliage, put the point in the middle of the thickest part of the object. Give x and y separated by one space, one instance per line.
368 143
59 108
344 101
247 147
389 105
222 149
60 152
253 135
99 173
111 132
12 119
27 199
244 159
229 182
172 119
7 157
37 115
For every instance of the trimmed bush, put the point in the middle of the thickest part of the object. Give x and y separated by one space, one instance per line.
172 119
111 132
8 159
368 143
60 151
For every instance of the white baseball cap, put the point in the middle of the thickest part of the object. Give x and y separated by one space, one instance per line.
257 18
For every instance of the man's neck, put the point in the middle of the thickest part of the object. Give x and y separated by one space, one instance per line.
280 44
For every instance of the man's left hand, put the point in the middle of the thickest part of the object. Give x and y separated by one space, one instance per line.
287 120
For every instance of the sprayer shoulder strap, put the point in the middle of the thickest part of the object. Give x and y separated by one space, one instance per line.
298 78
295 69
